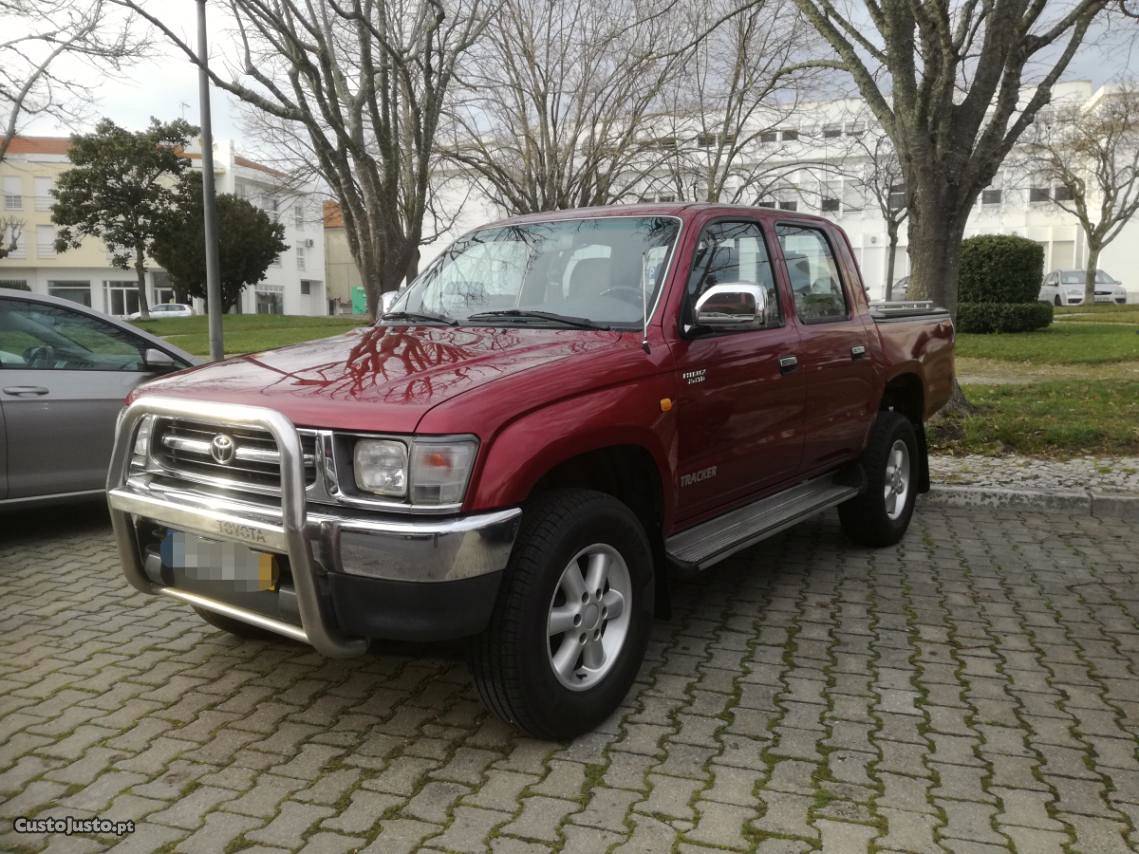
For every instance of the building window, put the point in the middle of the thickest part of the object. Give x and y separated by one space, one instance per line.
1061 194
789 206
44 198
306 287
897 198
13 193
769 136
829 205
15 284
163 288
45 241
121 297
855 129
766 203
1038 194
300 257
832 131
12 239
991 197
270 299
79 292
299 213
790 135
706 140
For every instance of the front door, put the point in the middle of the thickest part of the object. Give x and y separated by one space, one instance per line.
835 356
739 412
63 377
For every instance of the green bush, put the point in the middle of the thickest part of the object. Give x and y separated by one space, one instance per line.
1000 268
1003 317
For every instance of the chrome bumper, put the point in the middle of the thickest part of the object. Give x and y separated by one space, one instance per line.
315 539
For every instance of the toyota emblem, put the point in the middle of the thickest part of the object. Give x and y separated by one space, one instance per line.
222 449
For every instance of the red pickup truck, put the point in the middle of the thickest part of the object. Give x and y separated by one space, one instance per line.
561 409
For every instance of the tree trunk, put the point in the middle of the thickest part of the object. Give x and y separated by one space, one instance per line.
892 253
412 267
935 255
1090 272
140 271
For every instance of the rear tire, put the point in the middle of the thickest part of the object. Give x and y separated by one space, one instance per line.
236 627
573 616
880 514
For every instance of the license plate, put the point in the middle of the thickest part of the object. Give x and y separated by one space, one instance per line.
200 559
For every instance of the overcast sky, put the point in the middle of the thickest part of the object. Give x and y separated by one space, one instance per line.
166 86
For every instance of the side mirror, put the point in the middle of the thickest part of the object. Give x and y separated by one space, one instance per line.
159 361
736 305
387 298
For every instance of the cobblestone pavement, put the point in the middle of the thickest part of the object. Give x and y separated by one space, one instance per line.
972 690
1107 474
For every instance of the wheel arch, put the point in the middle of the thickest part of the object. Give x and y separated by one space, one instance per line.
905 394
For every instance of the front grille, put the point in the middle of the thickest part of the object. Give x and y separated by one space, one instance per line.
182 449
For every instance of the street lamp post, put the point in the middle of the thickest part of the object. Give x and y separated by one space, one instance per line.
209 197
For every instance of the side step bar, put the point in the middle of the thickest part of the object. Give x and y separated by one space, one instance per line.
703 545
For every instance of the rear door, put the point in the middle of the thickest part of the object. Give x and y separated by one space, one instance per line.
739 413
834 353
63 378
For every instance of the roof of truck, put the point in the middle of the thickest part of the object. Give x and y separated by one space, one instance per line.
680 209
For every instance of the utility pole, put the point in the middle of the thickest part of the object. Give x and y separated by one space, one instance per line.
209 196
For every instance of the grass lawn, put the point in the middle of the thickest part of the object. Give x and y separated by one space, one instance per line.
1052 419
247 333
1069 390
1062 343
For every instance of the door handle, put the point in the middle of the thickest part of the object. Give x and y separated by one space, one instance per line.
787 364
24 390
857 351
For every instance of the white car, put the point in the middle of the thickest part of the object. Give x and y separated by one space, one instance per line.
1066 287
165 309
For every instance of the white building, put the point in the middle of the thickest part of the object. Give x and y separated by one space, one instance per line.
294 284
815 151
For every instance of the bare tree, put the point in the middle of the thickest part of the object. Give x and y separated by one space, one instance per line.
38 39
11 230
730 106
366 81
873 167
949 83
557 99
1093 154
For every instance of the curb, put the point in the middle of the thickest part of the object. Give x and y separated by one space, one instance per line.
1103 505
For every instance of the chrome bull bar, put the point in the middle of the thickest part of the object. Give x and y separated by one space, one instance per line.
287 538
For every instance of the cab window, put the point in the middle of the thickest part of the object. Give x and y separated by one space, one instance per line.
731 252
46 337
813 274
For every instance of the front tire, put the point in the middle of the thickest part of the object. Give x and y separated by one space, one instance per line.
573 616
880 514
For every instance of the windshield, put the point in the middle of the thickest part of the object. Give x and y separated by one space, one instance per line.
1077 278
590 270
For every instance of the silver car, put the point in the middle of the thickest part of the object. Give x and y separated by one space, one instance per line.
64 371
1066 287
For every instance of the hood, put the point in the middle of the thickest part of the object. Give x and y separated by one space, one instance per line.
378 378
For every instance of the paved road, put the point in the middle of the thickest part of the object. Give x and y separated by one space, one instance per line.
974 689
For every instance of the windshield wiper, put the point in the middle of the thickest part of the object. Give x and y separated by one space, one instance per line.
526 314
419 315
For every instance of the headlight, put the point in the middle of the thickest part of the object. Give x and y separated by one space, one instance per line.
142 439
380 466
439 471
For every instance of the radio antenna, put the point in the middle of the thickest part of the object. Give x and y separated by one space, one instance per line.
644 308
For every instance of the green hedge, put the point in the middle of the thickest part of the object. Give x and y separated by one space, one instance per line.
1000 268
1003 317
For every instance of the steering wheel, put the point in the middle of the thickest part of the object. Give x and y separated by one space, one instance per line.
42 356
624 292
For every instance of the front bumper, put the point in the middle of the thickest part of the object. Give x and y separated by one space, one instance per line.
353 575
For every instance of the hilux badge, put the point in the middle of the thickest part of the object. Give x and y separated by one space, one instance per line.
222 449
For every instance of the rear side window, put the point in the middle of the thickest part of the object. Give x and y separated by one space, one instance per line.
813 273
731 252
